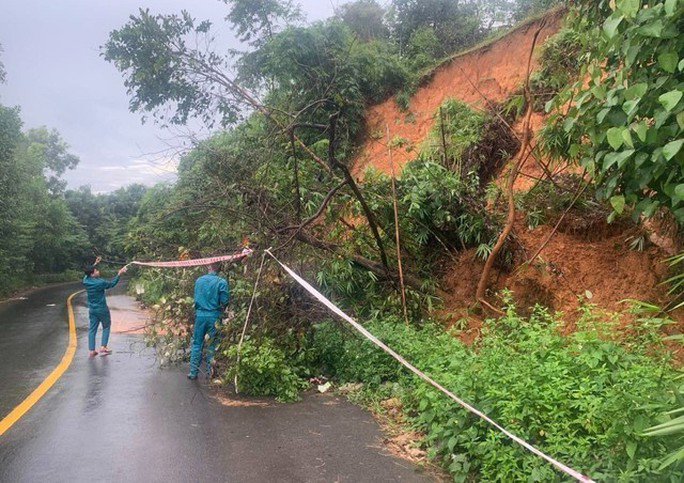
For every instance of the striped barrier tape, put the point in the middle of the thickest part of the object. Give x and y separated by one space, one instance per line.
197 262
333 308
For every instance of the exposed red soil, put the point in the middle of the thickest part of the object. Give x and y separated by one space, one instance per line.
595 261
497 70
567 268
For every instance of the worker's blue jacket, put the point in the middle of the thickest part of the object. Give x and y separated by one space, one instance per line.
212 294
95 288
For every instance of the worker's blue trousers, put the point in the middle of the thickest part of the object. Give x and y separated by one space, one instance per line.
97 318
204 325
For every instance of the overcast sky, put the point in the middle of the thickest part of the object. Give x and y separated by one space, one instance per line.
57 77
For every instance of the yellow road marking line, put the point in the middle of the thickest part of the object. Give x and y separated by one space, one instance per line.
50 380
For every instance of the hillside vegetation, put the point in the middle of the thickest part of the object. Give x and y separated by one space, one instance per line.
526 165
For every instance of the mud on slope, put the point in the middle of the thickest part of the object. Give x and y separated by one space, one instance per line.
496 69
571 264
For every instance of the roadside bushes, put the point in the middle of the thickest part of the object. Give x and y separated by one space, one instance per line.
583 398
264 370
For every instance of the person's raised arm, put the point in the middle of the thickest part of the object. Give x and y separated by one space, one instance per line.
113 282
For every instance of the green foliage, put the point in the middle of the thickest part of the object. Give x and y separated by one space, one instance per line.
526 8
264 370
468 142
12 239
163 66
676 282
365 18
626 126
462 129
546 201
558 66
38 233
106 217
52 153
423 49
583 398
674 426
257 22
455 24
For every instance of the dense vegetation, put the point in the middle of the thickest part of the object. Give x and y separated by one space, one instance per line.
289 117
625 125
46 231
38 233
292 106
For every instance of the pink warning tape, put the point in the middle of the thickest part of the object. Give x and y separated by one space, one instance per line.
333 308
197 262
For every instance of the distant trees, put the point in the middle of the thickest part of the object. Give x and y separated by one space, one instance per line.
105 217
257 21
453 23
365 18
45 229
38 233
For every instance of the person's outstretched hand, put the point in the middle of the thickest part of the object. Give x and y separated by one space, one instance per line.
97 260
123 270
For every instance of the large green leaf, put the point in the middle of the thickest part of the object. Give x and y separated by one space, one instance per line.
670 7
619 158
641 129
614 135
629 7
630 107
668 61
618 203
652 29
672 148
669 100
636 91
611 24
679 191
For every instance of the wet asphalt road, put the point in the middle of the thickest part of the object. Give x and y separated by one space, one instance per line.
121 418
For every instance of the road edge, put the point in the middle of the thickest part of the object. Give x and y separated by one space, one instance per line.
15 415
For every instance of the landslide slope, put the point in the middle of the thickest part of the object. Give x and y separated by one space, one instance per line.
596 260
494 70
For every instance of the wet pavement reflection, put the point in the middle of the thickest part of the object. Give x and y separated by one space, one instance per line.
120 417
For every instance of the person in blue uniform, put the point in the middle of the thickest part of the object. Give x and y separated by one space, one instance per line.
212 294
97 306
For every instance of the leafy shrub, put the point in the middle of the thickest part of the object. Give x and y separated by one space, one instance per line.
462 129
423 49
264 370
469 142
623 118
558 66
583 398
404 100
546 201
